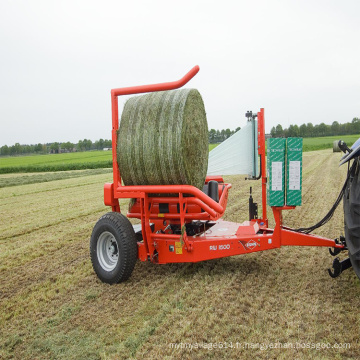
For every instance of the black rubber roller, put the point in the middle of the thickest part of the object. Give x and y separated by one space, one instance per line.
352 219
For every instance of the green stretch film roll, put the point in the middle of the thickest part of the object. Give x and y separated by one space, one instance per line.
293 171
276 171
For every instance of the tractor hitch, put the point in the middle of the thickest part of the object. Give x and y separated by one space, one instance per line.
339 267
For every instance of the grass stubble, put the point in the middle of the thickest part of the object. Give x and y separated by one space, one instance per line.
53 306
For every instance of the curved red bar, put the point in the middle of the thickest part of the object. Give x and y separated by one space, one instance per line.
157 87
168 189
138 90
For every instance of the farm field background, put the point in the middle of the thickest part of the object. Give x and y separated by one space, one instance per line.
56 162
103 159
52 305
326 142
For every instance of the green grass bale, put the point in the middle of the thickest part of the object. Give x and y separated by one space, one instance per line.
163 139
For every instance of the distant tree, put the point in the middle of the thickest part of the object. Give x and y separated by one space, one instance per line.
67 146
101 144
296 130
38 148
347 128
323 129
355 126
212 136
335 128
218 136
107 143
55 147
5 150
342 129
27 149
80 146
86 144
279 130
15 149
310 129
316 131
273 132
222 135
303 130
227 133
293 131
285 133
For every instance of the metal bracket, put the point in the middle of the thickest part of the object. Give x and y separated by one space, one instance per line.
337 251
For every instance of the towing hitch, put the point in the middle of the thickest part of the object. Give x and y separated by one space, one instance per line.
339 267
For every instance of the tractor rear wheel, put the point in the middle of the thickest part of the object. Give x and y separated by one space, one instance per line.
352 219
113 248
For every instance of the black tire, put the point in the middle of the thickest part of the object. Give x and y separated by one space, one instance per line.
113 248
352 220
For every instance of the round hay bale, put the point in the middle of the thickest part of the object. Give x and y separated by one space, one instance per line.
163 139
336 146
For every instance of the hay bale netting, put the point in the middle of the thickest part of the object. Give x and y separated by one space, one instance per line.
163 139
336 146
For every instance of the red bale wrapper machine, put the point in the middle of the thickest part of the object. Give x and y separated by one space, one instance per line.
185 225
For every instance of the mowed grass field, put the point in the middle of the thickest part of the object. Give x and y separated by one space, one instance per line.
103 159
326 142
52 305
56 162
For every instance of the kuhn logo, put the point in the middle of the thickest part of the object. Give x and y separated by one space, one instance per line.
251 244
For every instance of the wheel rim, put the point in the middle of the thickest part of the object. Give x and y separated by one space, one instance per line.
107 251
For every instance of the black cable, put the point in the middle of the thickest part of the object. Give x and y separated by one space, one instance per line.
330 214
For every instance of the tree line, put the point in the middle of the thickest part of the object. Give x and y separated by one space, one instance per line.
218 136
55 148
310 130
215 136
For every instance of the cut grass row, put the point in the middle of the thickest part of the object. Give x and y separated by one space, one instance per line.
60 166
22 179
103 159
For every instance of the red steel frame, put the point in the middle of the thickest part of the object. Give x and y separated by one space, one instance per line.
219 238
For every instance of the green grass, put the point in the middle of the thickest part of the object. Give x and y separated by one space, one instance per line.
50 159
59 162
56 162
321 143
